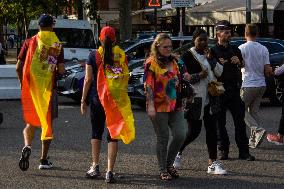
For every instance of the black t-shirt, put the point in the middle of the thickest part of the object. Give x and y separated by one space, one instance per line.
93 92
231 76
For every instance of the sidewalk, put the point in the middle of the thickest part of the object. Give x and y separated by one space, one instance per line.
11 58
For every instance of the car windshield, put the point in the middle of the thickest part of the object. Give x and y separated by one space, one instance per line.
72 37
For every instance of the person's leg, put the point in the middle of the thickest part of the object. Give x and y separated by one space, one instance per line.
112 153
28 133
211 134
251 97
193 131
210 124
237 109
160 124
44 148
278 138
223 140
111 158
178 129
97 115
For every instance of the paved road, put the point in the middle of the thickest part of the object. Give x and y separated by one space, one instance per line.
136 163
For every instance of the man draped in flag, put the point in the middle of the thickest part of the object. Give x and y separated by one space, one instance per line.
41 57
107 80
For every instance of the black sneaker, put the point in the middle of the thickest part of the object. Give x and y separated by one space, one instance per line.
246 156
45 164
223 155
93 172
24 161
110 177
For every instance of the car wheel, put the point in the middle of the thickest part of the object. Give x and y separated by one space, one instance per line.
278 91
277 97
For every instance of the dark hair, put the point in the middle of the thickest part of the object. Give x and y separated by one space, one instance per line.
251 30
108 55
197 32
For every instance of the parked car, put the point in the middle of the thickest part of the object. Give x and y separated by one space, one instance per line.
274 87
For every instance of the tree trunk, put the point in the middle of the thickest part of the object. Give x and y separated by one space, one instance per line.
80 9
125 19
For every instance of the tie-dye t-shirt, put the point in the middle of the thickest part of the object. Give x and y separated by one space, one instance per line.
165 84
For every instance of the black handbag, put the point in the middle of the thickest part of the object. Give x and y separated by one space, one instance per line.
193 109
187 90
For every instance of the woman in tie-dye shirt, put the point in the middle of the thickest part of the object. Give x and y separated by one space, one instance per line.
162 86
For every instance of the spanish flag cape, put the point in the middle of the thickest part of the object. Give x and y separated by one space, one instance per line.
38 81
112 82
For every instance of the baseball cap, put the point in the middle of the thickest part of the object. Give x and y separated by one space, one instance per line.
107 31
223 25
45 20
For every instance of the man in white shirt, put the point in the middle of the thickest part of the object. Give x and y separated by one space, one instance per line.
257 66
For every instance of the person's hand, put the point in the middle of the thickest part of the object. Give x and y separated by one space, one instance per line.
235 60
203 74
83 108
151 112
222 60
187 76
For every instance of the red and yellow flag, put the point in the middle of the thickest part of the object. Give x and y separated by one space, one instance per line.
112 85
38 81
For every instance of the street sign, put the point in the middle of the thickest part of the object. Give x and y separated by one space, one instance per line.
154 3
182 3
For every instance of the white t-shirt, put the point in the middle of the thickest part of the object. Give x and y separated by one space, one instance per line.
255 57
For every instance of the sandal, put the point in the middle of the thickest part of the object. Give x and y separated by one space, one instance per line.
173 172
165 176
24 161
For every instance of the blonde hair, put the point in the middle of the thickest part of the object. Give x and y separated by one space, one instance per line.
155 45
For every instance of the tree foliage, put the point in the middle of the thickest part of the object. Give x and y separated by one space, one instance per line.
20 12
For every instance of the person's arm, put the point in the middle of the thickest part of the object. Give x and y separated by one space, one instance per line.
60 64
268 71
19 70
21 61
87 84
149 92
280 70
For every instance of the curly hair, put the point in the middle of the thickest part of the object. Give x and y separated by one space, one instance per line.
155 45
197 32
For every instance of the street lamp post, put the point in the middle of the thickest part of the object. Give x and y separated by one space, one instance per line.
248 11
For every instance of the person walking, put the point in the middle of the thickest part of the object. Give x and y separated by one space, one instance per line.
106 82
257 66
202 70
3 53
162 88
38 62
231 59
278 138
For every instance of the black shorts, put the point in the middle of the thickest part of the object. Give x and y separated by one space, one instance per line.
98 119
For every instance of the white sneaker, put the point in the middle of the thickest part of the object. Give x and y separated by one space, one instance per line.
93 172
256 137
216 168
45 164
177 162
